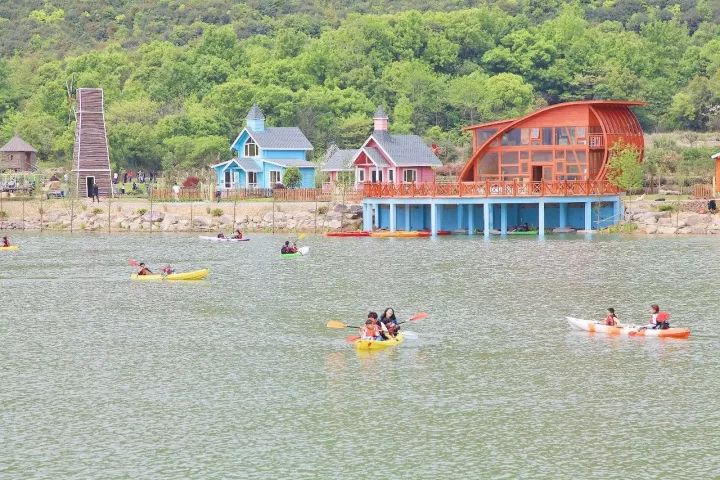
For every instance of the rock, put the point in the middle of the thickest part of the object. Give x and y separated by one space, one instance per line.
333 224
201 222
684 230
563 230
355 209
694 219
340 208
667 221
666 230
156 217
650 229
226 219
698 230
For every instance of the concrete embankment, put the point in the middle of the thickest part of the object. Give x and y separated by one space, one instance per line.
141 216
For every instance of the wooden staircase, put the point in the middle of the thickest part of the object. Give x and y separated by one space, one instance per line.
91 161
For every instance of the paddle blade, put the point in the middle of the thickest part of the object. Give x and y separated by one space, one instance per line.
301 236
304 250
418 316
133 263
336 324
352 338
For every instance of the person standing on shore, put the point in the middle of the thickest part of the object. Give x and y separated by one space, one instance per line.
96 193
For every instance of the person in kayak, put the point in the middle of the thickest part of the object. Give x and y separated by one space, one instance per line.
238 235
144 270
168 270
220 235
388 324
611 319
6 242
659 320
286 248
371 330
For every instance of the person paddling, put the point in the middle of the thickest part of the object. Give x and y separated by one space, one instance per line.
6 242
143 270
389 324
611 319
220 235
286 248
658 320
238 235
168 270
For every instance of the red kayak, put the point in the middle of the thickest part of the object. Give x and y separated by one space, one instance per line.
348 234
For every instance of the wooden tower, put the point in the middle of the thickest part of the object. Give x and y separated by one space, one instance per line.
91 161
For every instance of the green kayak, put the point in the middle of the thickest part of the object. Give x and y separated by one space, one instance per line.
301 252
528 232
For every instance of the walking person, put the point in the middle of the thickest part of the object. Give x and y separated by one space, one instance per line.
96 193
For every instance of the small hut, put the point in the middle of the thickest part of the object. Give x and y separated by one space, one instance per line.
18 155
716 180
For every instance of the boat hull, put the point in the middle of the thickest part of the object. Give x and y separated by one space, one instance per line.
11 248
629 330
173 277
216 239
399 234
367 345
348 234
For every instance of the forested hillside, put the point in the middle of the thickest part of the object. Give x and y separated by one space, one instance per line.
179 76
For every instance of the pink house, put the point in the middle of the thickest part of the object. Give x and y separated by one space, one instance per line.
386 157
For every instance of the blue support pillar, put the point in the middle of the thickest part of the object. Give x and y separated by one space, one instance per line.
541 218
471 219
486 219
433 219
376 220
439 214
459 217
407 218
617 212
393 217
503 218
588 215
491 216
367 221
563 215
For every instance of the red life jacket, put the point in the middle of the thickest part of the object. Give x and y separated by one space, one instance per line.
610 320
663 317
371 331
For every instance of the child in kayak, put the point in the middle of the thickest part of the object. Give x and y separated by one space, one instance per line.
389 324
611 319
237 235
6 242
371 330
659 320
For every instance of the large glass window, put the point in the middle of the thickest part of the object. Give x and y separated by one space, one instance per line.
483 135
512 138
510 158
252 179
251 148
542 156
488 164
275 177
410 176
547 134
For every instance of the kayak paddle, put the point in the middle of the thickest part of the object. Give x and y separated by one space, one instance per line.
338 324
133 263
415 318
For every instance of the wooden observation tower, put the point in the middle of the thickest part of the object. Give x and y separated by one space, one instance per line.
91 161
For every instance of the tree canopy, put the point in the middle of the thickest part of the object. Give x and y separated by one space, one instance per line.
179 76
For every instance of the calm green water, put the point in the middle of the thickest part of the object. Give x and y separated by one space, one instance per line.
236 377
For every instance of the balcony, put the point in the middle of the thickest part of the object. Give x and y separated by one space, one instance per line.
596 140
490 188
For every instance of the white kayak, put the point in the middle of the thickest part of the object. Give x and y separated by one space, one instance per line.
630 330
224 239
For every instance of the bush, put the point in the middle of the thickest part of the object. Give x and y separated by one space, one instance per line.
191 182
292 177
142 211
667 207
216 212
322 210
97 211
3 214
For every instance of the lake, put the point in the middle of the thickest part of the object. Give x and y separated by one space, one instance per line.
237 376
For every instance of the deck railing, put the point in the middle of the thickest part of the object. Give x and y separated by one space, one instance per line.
596 140
491 188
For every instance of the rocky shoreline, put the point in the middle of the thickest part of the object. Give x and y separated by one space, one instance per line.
199 217
680 223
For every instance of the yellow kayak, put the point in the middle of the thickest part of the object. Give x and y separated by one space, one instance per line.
11 248
379 344
399 234
194 275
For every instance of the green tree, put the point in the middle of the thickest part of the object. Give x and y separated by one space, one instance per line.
292 177
624 169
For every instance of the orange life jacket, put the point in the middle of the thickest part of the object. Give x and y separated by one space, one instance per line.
371 331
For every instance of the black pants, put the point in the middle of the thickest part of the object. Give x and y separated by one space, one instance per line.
662 326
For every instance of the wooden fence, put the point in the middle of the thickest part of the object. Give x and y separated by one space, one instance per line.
278 194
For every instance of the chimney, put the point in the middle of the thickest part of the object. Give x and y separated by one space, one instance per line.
255 119
381 120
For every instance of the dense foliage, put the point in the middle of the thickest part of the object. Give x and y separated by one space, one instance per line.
179 76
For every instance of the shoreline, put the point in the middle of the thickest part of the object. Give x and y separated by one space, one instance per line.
73 215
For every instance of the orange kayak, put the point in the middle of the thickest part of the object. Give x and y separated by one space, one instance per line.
358 233
629 330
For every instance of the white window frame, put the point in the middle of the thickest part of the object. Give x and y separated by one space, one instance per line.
250 183
279 176
391 175
228 179
414 175
360 175
376 176
250 142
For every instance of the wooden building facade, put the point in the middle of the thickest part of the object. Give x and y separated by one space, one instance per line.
91 160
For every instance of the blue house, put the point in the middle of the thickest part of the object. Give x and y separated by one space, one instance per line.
261 155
